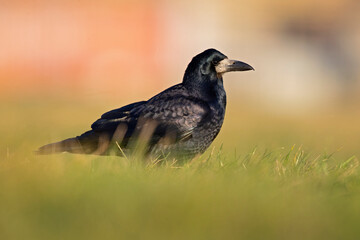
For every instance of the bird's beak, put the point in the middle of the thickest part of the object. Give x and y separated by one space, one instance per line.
228 65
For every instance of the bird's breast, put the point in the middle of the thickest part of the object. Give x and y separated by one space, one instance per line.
205 134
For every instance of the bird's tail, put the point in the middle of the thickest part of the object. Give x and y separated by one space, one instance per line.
89 142
71 145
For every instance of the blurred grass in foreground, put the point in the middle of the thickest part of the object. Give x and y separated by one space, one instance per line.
275 191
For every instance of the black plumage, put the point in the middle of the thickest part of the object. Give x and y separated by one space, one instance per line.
181 121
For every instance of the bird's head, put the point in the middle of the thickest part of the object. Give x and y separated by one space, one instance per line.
210 65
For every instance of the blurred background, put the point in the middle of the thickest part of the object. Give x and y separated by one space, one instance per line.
63 63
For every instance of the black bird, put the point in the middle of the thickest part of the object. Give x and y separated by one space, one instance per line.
181 121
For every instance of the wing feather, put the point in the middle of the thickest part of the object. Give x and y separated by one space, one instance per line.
174 113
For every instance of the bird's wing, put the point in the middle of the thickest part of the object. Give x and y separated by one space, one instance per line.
121 112
175 115
110 120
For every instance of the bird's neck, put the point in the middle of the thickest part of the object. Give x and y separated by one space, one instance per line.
210 90
219 92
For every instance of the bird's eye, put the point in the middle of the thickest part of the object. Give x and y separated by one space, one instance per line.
214 62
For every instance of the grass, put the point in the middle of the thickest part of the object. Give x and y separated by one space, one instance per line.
282 190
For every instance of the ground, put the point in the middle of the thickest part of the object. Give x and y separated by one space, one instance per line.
265 177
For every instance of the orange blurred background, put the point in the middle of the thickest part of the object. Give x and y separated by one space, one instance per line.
304 52
69 46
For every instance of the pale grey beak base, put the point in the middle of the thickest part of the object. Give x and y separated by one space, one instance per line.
228 65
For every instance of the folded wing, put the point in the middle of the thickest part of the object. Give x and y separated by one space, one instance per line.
166 116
